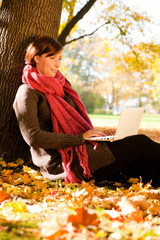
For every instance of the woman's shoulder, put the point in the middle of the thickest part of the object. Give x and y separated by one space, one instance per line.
26 91
26 95
25 88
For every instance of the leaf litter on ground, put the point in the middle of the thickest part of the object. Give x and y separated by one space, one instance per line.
32 207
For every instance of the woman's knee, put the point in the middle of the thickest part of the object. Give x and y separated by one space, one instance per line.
139 139
143 137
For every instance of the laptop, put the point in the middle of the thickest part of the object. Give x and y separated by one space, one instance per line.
128 125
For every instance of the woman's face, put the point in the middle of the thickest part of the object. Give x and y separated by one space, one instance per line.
48 65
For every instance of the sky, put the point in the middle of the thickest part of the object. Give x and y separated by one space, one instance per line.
152 7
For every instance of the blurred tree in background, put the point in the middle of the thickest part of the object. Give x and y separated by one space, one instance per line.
117 62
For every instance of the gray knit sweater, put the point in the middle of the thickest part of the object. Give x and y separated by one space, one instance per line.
33 115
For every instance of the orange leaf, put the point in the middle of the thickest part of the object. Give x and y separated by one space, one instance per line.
3 196
7 173
25 178
136 216
84 218
3 164
12 164
39 185
57 235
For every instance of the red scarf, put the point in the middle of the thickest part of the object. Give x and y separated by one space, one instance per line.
65 118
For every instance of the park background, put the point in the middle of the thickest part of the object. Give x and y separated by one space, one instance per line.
111 71
119 66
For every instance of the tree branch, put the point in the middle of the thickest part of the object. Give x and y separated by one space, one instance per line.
85 35
63 35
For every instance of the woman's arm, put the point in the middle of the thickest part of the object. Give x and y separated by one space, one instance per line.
25 106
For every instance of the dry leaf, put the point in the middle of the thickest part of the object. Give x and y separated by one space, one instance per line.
84 218
3 196
140 201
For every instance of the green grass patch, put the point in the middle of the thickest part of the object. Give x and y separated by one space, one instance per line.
104 120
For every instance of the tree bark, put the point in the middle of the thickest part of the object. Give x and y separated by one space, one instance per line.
20 22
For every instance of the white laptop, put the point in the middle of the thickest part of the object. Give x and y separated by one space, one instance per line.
128 125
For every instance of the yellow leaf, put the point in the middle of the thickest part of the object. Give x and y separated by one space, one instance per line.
12 164
133 180
25 178
39 185
101 234
18 207
19 161
7 173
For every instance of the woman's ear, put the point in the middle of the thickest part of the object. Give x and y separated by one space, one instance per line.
36 59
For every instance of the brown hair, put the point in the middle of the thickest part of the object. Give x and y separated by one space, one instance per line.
39 46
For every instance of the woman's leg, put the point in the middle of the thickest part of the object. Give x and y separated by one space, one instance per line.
135 156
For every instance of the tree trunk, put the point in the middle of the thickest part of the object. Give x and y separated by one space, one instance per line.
20 22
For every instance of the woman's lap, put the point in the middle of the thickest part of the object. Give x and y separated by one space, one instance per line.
135 156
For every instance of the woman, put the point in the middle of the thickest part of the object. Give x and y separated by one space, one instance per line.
54 123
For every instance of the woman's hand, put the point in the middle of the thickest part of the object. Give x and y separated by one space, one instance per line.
93 133
97 133
110 132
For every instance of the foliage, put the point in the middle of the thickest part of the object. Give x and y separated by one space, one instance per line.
91 100
116 74
127 62
32 207
118 18
80 72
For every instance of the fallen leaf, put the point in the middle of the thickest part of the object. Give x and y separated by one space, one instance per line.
140 201
3 196
84 218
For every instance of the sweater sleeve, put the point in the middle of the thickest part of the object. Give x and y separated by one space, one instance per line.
25 107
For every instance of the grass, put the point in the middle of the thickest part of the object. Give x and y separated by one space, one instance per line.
149 121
